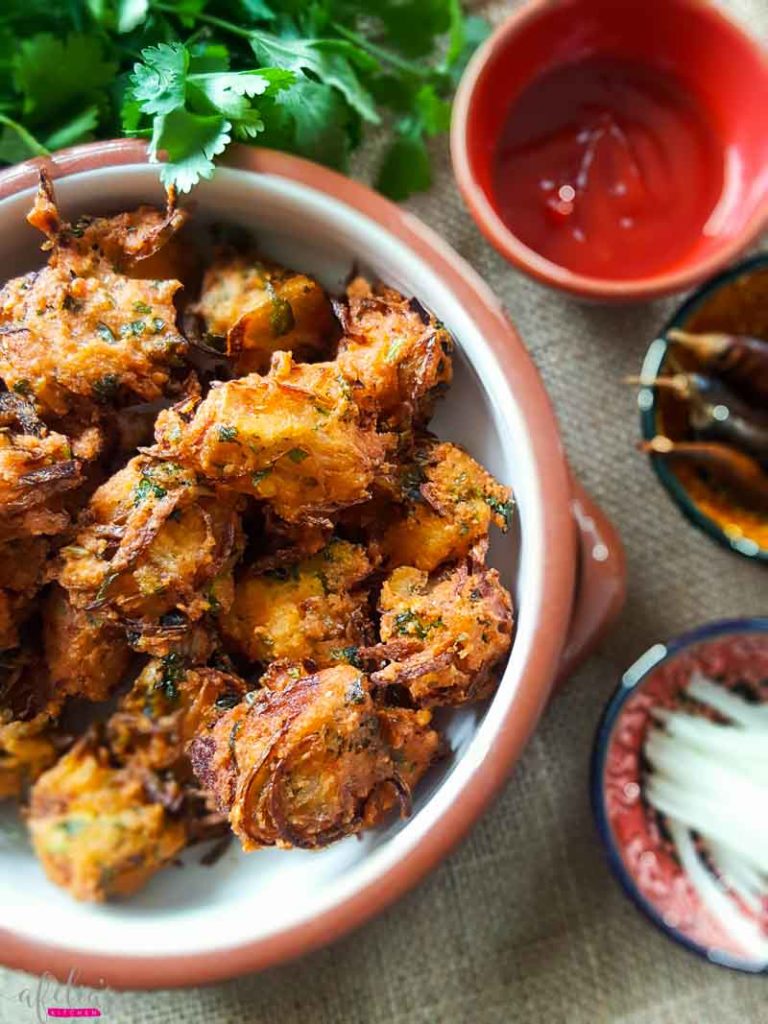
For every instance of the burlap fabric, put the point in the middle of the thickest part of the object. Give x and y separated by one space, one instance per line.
524 924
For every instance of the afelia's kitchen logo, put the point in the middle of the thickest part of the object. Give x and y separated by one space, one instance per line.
50 1000
73 1011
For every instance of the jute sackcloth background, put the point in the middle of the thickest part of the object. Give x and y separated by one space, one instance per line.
524 924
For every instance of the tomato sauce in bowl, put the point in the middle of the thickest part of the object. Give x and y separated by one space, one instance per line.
616 151
608 167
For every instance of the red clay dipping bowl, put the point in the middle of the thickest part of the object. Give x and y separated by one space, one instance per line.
719 65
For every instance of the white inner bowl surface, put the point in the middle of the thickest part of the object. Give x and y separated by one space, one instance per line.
197 909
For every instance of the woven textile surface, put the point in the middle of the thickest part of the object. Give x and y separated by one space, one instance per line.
524 924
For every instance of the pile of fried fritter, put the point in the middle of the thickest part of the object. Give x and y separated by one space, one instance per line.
236 571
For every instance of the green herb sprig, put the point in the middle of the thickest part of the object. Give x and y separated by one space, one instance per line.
191 76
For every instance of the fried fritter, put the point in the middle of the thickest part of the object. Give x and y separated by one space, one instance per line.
115 809
96 830
414 745
166 706
311 609
80 332
449 503
293 438
311 763
28 714
394 353
27 749
86 655
123 240
38 475
36 467
444 638
23 566
252 309
153 543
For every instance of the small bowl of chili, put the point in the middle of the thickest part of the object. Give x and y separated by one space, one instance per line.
704 407
678 785
612 154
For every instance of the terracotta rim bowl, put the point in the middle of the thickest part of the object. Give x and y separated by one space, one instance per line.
578 574
721 65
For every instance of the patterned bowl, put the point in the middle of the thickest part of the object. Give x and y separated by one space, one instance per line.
734 301
638 848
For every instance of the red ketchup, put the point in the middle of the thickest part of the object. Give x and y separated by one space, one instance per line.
609 168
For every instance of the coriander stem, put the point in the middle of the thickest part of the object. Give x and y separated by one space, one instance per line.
26 137
209 19
377 51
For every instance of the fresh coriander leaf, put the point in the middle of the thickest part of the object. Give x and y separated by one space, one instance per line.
229 92
331 68
457 34
191 141
257 10
475 31
312 120
52 73
159 82
16 143
207 57
130 115
412 26
434 113
505 509
405 168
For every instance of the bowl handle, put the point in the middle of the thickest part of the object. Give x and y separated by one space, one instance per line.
601 582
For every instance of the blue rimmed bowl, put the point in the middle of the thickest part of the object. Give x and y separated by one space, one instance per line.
637 847
721 304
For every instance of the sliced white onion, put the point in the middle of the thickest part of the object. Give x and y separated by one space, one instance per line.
736 744
728 703
720 905
747 882
712 779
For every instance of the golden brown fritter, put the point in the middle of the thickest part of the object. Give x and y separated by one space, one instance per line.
39 474
444 638
308 764
115 809
86 655
319 473
96 830
413 744
166 706
293 438
394 353
27 749
448 504
312 609
152 543
37 467
28 714
79 332
122 240
23 567
252 309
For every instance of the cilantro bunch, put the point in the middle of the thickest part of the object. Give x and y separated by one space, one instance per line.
194 75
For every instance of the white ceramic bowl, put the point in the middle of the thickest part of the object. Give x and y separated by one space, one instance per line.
198 923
